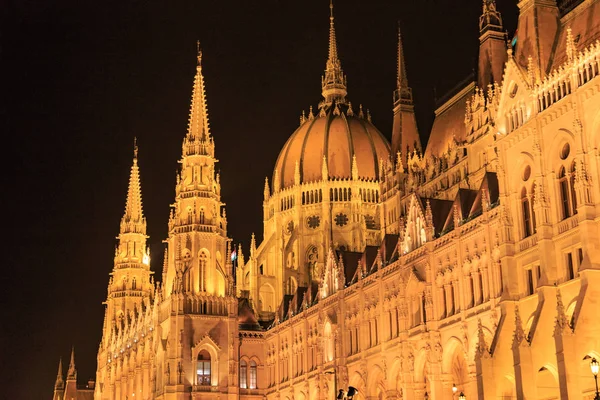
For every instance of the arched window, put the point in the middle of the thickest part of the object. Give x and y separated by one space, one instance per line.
202 216
328 342
133 284
203 368
253 380
526 212
563 187
243 374
203 265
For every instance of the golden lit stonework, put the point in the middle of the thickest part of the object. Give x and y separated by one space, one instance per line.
467 270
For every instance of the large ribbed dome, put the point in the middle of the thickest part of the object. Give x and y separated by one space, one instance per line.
337 135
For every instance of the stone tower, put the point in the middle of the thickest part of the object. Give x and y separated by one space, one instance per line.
492 46
128 304
197 323
405 136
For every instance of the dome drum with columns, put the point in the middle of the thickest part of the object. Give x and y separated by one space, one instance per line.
325 190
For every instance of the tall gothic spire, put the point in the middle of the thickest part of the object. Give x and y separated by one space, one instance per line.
333 82
198 124
405 135
60 384
403 91
72 372
133 220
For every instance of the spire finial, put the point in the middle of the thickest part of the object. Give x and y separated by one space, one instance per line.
72 372
133 220
401 74
334 81
59 384
198 52
198 123
403 92
332 41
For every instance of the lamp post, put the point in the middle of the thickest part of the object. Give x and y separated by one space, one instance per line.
454 390
595 367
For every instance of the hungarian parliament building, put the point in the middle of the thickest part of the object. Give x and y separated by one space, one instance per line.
469 268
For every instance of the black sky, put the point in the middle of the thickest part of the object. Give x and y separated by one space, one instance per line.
82 78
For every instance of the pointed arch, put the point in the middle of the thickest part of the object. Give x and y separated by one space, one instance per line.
207 347
266 298
375 381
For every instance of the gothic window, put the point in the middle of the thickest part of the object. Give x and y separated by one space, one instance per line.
341 219
133 284
529 273
202 215
243 375
313 221
563 187
253 375
291 285
203 368
570 267
526 213
328 342
203 261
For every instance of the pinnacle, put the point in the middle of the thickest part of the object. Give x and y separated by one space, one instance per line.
133 219
401 74
72 372
333 55
59 376
334 81
403 92
198 124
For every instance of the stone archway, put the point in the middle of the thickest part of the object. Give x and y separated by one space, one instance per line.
546 383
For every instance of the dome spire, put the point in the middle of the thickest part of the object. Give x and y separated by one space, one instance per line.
333 82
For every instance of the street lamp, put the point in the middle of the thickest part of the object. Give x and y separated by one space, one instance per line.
454 390
595 367
462 396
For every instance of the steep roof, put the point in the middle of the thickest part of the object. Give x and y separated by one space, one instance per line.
449 123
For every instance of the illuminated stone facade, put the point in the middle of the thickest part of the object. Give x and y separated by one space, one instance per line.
401 272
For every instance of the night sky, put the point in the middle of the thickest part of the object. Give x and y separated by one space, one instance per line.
82 78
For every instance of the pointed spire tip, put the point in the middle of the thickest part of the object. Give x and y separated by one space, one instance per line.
198 52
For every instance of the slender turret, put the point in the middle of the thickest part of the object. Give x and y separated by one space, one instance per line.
492 46
59 385
405 136
70 391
